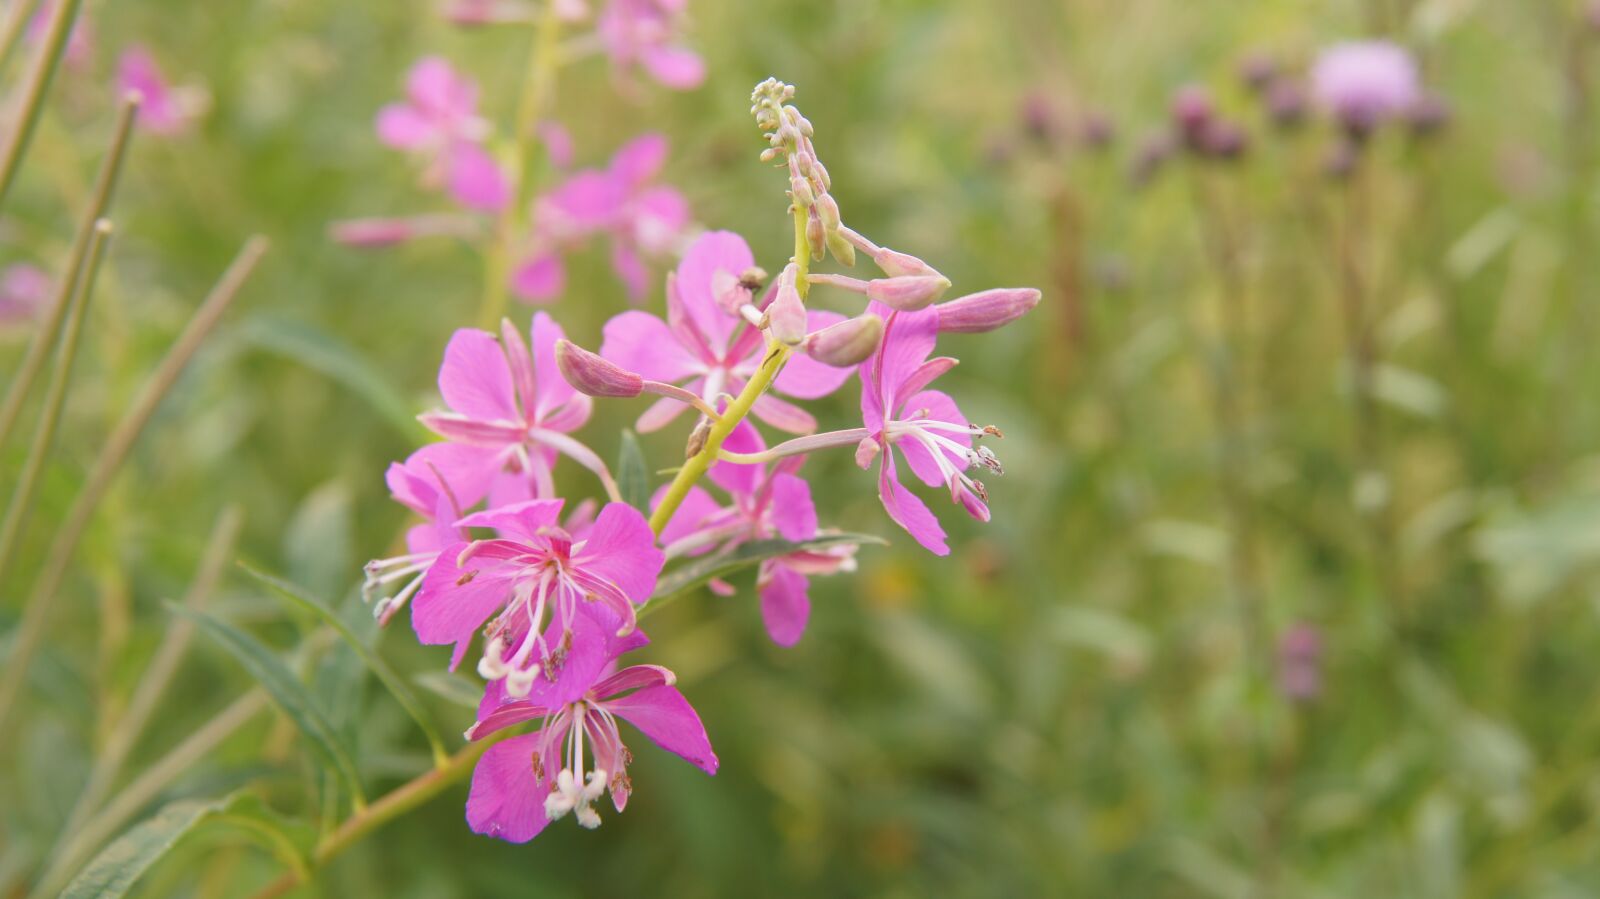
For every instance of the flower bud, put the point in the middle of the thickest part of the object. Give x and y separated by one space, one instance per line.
841 249
594 375
815 239
908 292
786 317
1192 112
866 451
845 343
800 189
987 310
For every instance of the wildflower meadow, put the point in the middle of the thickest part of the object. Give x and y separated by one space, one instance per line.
740 448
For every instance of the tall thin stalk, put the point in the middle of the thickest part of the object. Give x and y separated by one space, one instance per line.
16 23
40 601
105 186
20 130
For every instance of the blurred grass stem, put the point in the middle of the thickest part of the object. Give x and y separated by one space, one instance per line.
45 63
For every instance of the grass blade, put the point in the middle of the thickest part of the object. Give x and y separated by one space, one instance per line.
287 691
633 478
322 352
395 684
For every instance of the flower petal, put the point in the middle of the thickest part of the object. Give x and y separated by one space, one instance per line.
507 798
907 510
662 714
476 181
783 415
402 127
622 550
736 477
640 159
640 342
690 518
939 407
792 509
674 67
785 605
711 252
452 604
475 380
540 278
552 390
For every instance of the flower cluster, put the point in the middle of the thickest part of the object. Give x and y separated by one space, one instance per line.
554 595
489 175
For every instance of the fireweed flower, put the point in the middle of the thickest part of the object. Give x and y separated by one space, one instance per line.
644 33
24 289
536 570
577 754
419 485
1363 84
641 218
924 425
767 501
510 414
439 123
164 108
705 347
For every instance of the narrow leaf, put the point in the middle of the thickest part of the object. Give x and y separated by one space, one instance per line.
633 478
391 680
451 687
320 351
118 866
286 690
746 555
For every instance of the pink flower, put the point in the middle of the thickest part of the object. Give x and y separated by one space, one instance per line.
419 485
80 43
533 570
1366 83
704 346
24 290
768 502
163 109
577 755
1300 663
642 33
621 201
924 425
439 123
510 415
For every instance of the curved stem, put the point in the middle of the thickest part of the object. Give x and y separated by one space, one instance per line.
799 446
771 364
538 84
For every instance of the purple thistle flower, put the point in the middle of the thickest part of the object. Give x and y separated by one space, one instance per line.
1363 84
707 348
577 754
621 201
439 123
510 415
533 572
925 425
767 502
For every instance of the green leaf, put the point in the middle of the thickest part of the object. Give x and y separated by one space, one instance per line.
396 685
633 478
320 351
118 866
286 690
698 571
452 687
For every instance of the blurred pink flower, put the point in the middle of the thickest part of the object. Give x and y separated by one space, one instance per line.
767 502
1365 83
934 436
417 484
644 33
577 755
80 43
1300 663
164 109
706 348
24 290
438 122
510 415
620 201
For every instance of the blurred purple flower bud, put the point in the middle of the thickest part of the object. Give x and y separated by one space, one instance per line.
1300 663
1224 140
1429 115
1192 111
1040 119
1286 102
846 343
786 317
908 293
593 375
1365 83
987 310
1097 131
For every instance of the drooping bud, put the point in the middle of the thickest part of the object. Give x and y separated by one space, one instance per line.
866 451
591 374
908 292
828 211
845 343
891 262
977 313
786 317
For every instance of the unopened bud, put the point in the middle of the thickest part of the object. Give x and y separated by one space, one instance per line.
800 189
908 292
986 310
815 239
845 343
828 210
841 249
593 375
786 317
866 451
1192 112
697 439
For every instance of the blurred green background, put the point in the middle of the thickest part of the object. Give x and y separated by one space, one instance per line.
1083 700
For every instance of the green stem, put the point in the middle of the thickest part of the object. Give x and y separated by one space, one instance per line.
39 78
44 436
392 805
538 85
17 22
697 465
105 185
